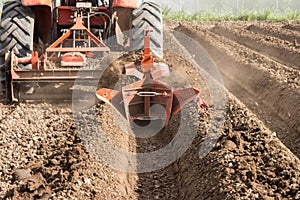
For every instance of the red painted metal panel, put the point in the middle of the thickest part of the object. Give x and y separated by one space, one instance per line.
79 49
42 9
148 99
127 3
182 97
43 22
65 13
79 27
140 96
37 3
98 20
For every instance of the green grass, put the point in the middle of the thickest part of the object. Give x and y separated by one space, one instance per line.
267 15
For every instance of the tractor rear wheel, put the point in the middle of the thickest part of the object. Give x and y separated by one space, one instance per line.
16 35
148 16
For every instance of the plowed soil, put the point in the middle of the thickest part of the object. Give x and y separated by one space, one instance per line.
43 154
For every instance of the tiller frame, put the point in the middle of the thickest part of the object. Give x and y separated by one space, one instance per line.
74 56
148 99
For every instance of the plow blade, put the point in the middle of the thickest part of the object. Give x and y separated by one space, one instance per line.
147 100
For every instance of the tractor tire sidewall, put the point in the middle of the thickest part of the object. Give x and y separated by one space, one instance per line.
147 17
16 35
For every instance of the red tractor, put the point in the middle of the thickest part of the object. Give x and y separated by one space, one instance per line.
34 33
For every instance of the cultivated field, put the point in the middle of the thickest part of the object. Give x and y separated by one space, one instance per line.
256 156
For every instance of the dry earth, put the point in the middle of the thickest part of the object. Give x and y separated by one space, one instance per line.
43 156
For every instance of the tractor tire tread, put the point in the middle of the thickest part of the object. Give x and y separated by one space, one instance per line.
16 34
147 6
150 19
148 16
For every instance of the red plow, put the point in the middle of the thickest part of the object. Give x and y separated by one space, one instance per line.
148 99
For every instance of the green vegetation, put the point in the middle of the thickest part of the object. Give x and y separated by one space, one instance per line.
267 15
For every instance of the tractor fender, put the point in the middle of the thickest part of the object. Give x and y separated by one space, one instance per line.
127 3
43 13
37 3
